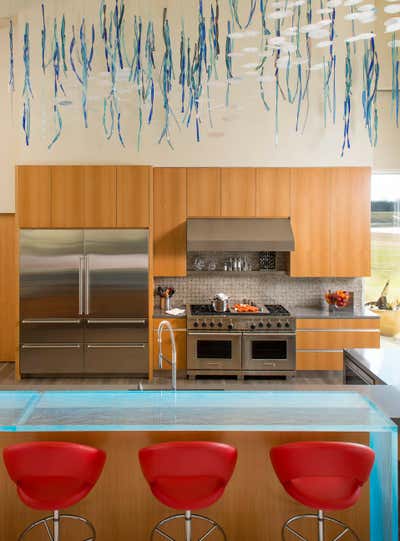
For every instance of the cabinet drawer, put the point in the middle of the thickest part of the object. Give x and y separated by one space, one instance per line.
351 323
180 341
47 359
337 340
113 359
319 360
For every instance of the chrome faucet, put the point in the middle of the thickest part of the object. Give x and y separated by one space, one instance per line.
162 357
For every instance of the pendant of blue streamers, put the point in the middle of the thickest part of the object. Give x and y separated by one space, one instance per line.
44 39
136 73
27 89
347 99
370 90
228 62
11 80
167 76
56 63
64 44
150 48
85 58
182 64
234 6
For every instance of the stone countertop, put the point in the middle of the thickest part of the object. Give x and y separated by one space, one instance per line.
383 363
309 312
160 314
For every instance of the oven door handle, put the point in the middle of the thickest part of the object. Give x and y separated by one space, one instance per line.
221 334
270 336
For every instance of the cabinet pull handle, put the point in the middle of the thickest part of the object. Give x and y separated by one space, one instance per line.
51 321
117 321
51 346
116 346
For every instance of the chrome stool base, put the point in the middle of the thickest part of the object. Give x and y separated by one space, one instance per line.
188 516
54 531
321 519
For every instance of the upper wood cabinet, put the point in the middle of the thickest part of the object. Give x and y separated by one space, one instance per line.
204 191
133 196
169 221
34 196
273 192
67 195
351 221
238 192
100 196
310 214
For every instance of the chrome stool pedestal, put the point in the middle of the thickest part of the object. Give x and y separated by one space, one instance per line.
321 519
53 531
188 516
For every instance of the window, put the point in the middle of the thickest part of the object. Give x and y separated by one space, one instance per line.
385 235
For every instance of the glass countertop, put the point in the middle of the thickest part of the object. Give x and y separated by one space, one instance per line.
56 411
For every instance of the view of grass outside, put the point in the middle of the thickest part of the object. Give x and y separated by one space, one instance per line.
385 228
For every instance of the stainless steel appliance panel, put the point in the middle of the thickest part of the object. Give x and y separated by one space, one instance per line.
266 352
214 351
355 375
116 271
117 330
51 273
52 330
51 359
109 358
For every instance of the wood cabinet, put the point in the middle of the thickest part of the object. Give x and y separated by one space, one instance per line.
350 221
169 221
310 215
33 196
179 326
100 196
134 194
8 288
273 192
67 203
320 342
238 192
204 192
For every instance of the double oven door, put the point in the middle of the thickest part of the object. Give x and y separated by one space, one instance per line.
236 351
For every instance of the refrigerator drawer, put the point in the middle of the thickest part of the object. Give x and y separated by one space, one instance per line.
42 359
128 358
52 330
113 330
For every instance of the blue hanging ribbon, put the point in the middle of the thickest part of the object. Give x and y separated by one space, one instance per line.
395 79
370 90
11 81
27 89
347 99
63 44
150 67
182 63
234 5
167 76
44 39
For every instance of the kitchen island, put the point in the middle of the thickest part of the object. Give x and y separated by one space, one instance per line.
254 505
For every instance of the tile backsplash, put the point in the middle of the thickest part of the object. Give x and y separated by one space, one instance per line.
272 288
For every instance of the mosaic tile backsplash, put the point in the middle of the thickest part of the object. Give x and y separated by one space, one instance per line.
274 288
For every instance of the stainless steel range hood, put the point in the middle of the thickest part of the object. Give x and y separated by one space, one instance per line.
239 235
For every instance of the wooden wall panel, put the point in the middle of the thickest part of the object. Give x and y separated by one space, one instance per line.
273 192
33 196
238 188
8 288
204 191
133 196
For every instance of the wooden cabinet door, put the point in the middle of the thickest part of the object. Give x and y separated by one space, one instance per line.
238 189
179 326
310 213
204 191
100 196
34 196
351 221
133 196
67 196
273 192
169 222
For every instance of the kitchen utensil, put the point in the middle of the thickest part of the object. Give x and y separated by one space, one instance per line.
165 303
220 303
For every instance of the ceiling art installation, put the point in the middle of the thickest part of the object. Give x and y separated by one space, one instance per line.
286 36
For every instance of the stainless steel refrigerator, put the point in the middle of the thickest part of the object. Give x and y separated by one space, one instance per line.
83 301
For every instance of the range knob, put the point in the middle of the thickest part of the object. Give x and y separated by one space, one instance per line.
211 324
253 326
195 324
269 325
261 324
220 324
279 324
287 324
230 325
204 324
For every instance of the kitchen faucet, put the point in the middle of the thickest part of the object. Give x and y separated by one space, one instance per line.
162 357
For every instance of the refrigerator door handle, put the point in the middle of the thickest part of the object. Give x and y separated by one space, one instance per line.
52 321
116 346
51 346
117 321
87 286
81 264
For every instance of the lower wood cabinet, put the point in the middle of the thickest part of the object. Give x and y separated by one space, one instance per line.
320 342
179 326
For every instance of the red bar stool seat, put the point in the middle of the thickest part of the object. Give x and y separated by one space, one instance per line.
52 476
325 476
188 476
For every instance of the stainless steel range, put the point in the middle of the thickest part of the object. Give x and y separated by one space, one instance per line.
241 344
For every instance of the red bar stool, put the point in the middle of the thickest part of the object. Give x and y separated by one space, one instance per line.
52 476
189 476
324 476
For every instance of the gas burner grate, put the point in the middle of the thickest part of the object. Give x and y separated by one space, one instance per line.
276 310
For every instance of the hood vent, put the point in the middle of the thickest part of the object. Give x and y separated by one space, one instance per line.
239 235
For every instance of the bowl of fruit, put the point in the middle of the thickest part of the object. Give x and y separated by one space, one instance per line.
337 300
